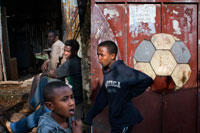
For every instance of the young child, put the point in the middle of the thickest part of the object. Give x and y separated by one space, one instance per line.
121 83
71 71
60 100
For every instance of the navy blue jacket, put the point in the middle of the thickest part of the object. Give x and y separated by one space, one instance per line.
121 83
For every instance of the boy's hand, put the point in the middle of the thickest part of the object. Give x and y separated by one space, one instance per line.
77 126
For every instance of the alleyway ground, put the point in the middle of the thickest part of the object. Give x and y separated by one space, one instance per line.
13 95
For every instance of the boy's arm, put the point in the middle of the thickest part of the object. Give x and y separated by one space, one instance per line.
51 73
54 57
62 71
99 104
65 69
143 81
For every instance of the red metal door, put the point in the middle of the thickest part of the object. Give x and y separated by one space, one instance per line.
185 15
128 24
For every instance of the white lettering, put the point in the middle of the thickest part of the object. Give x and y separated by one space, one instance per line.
111 83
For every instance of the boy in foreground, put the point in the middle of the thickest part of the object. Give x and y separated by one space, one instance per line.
121 84
59 99
71 72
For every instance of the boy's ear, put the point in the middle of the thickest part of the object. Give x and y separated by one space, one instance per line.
49 105
113 56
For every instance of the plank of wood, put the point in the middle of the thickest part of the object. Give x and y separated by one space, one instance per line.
11 82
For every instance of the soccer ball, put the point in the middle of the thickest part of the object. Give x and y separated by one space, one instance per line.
165 58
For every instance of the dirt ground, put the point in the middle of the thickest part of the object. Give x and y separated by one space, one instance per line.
13 95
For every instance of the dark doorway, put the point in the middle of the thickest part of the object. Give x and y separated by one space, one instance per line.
28 22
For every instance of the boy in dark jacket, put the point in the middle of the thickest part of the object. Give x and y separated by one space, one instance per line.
121 83
59 99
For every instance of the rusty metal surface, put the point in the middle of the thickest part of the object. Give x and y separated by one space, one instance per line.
101 123
71 27
146 1
180 21
140 23
163 84
179 111
115 14
101 30
198 78
151 109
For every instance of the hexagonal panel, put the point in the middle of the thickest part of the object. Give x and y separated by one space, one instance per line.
162 41
145 68
144 51
181 52
163 84
163 62
181 74
134 61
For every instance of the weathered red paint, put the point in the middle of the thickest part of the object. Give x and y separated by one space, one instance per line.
198 78
151 111
188 32
163 83
147 1
188 94
180 111
134 41
171 112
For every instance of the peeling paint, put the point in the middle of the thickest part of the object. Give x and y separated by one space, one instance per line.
142 13
189 19
119 34
124 7
139 14
175 12
99 31
134 41
176 27
109 14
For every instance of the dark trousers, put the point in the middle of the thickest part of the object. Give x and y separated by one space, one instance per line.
127 129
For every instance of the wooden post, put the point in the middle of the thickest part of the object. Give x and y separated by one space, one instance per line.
11 64
2 62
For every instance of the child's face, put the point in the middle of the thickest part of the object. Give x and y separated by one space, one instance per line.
68 52
105 58
63 104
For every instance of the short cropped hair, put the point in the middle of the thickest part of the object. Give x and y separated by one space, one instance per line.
73 44
111 46
49 90
55 33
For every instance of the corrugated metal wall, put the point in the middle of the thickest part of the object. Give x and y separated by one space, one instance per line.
28 23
